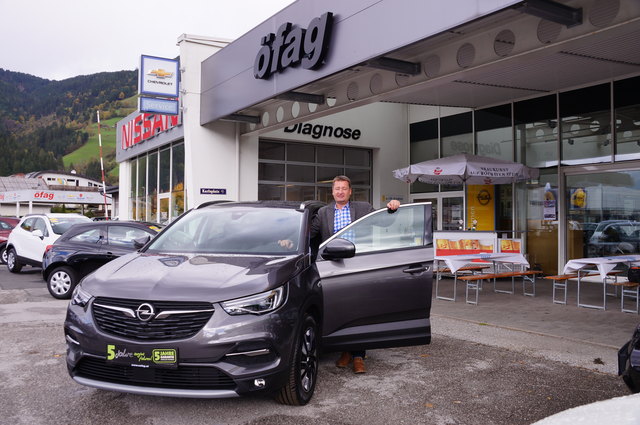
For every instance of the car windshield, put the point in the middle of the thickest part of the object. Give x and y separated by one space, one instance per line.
233 230
62 224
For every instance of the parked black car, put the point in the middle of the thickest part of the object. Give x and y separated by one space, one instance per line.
215 306
86 247
629 362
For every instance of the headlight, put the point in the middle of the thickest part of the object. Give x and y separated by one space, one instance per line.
80 297
264 302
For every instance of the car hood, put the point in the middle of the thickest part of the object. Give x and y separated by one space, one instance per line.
211 278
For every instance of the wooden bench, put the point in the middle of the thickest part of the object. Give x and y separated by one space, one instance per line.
560 283
474 282
472 269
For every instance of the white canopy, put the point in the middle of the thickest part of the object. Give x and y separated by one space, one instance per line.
465 168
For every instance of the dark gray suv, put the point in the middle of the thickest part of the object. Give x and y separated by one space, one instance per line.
218 306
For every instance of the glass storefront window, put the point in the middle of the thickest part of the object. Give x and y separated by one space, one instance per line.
536 130
423 146
300 193
456 132
603 212
307 170
152 176
142 189
165 171
272 150
267 192
152 183
357 157
627 116
541 219
585 119
134 184
330 155
494 135
300 153
301 173
177 180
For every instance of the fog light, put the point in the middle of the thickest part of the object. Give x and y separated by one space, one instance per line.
260 383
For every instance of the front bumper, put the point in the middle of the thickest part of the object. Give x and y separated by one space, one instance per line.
229 356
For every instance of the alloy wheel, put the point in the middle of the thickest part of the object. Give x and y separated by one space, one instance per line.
308 360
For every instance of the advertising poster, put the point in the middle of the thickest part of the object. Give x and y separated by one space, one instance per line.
550 203
513 246
460 243
578 200
481 207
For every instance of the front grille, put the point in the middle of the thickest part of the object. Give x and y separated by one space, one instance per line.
184 377
175 326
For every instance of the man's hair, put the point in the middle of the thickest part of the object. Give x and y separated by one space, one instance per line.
341 179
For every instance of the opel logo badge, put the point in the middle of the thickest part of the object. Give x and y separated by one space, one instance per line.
145 312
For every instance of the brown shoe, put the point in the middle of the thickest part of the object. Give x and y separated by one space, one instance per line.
344 360
358 365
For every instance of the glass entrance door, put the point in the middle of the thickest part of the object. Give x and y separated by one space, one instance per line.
447 209
163 208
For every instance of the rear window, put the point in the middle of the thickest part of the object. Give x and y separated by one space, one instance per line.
62 224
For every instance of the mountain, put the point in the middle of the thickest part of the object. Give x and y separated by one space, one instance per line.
43 123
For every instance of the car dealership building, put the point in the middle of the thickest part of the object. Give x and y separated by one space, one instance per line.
362 88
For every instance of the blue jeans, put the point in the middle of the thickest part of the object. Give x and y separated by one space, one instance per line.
361 353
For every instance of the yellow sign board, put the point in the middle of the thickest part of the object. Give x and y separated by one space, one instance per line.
481 209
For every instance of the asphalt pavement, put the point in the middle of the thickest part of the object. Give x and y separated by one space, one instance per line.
510 359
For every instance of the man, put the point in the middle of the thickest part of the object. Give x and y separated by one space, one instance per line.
332 218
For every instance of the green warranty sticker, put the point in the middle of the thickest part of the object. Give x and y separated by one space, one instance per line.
142 357
164 356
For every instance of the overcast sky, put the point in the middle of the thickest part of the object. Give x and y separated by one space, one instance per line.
59 39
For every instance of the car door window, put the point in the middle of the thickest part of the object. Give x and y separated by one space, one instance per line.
124 236
28 224
88 236
39 224
381 231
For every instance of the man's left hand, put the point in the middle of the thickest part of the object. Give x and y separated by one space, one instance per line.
393 204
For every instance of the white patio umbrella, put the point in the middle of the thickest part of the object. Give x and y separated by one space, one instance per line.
466 168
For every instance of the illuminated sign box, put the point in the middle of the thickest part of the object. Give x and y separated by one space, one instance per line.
159 77
158 106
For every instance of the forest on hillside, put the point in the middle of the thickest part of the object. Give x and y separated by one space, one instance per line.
43 120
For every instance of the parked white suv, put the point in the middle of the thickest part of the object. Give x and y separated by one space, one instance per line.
28 241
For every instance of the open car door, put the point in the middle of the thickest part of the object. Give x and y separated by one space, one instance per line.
380 295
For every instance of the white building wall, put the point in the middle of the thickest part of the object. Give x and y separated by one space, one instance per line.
211 152
124 190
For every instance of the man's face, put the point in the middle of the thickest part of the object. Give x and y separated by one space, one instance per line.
341 192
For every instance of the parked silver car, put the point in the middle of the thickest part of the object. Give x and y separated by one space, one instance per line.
215 307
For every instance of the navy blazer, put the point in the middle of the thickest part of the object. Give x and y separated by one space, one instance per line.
322 223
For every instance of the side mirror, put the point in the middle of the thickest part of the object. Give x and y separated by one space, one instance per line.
140 242
337 249
38 233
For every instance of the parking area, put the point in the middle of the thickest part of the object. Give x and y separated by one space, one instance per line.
509 360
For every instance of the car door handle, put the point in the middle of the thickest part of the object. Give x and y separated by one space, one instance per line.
418 269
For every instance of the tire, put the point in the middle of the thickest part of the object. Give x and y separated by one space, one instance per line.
303 369
3 255
13 264
61 282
